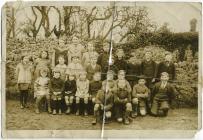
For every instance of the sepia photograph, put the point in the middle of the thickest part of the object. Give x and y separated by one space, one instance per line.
96 69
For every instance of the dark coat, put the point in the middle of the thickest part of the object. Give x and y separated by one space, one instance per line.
148 69
70 86
121 64
133 70
94 87
103 60
56 85
169 68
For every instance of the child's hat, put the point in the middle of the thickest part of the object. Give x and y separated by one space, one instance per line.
164 74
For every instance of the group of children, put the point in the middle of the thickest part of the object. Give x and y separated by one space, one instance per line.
118 89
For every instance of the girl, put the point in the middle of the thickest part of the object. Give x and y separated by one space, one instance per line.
24 72
86 58
41 89
82 92
69 91
42 62
62 67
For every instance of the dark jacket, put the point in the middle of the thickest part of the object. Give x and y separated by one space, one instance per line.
121 64
70 88
133 70
166 94
94 87
56 85
148 69
169 68
103 60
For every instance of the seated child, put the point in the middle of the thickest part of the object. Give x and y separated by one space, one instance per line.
140 96
95 86
41 89
109 80
122 99
62 67
92 68
162 96
103 104
74 67
69 91
56 89
82 92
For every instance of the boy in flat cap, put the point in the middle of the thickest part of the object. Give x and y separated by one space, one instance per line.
140 96
162 95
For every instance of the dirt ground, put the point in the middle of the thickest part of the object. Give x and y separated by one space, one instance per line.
26 119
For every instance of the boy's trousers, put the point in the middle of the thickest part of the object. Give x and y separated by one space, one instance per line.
159 105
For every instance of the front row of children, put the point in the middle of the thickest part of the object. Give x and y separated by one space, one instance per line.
111 98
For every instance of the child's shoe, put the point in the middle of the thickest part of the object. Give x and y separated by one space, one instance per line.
120 120
68 110
54 112
37 111
134 114
21 107
60 112
94 122
49 110
85 113
126 121
77 113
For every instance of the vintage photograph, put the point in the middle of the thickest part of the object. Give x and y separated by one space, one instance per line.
111 68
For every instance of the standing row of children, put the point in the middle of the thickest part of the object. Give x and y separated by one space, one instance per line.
117 89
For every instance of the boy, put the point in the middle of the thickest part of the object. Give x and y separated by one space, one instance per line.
112 67
69 91
120 63
133 70
104 58
140 95
74 67
148 69
167 66
109 81
56 89
162 96
95 86
92 68
122 99
103 104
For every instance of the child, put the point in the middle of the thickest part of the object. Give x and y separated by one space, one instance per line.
86 58
119 61
41 90
167 66
62 67
104 58
122 99
24 73
74 67
103 104
140 95
162 96
112 67
69 91
95 86
75 50
42 62
92 68
133 71
56 89
82 92
109 81
149 69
